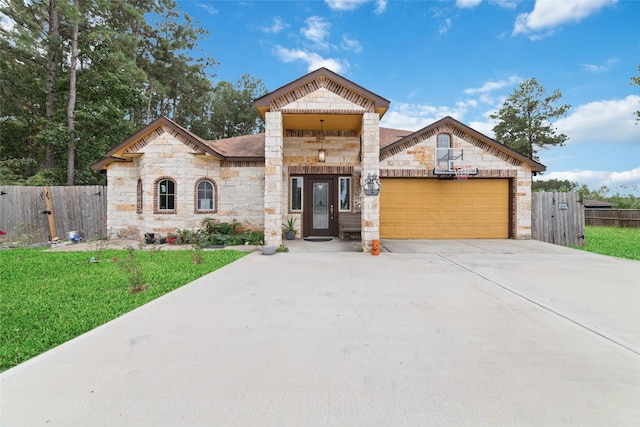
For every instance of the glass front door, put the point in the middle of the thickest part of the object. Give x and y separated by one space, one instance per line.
321 208
320 205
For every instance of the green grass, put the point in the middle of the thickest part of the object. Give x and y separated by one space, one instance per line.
48 298
614 241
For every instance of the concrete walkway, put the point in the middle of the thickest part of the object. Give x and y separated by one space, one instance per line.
446 333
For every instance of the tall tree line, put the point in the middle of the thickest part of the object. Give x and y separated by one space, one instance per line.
79 76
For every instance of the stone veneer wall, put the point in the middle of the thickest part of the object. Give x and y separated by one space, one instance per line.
240 190
418 161
273 173
370 165
301 153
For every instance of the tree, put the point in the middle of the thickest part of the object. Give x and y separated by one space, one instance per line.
53 52
526 119
636 81
232 110
71 124
563 186
132 58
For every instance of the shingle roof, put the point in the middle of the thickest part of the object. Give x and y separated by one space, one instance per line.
251 147
597 204
245 147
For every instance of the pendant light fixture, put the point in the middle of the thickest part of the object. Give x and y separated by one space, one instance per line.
322 153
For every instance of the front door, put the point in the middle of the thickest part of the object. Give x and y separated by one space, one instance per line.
320 207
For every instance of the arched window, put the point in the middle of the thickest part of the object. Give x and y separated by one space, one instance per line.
139 197
444 140
206 196
444 154
166 195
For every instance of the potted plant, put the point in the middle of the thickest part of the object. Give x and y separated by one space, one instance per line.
290 228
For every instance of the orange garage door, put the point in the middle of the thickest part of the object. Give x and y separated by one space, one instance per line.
438 209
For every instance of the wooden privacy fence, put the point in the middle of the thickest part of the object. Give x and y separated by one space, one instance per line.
557 218
613 217
36 214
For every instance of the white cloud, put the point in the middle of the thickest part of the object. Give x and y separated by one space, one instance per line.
467 4
599 68
549 14
347 5
277 26
317 30
312 59
493 85
381 6
506 4
445 27
351 44
484 127
595 179
212 10
416 116
608 121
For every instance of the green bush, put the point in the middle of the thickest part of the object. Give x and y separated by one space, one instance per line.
216 233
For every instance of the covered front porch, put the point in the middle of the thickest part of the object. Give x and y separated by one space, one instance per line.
322 141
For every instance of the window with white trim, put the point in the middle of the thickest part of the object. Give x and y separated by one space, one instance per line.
139 204
345 193
296 193
444 140
205 196
166 191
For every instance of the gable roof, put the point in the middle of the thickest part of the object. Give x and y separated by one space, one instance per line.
148 133
597 204
462 131
318 78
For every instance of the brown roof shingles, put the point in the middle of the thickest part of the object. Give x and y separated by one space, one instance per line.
245 147
251 147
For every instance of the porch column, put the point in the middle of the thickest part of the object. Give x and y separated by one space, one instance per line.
370 165
273 153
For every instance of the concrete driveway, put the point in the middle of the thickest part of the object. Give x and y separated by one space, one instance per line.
446 333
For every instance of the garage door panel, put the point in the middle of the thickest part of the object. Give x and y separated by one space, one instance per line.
433 209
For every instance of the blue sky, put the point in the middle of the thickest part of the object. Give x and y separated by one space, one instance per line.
459 58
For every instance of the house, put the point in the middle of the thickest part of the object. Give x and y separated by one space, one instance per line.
322 157
597 204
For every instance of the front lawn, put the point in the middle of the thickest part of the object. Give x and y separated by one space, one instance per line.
48 298
614 241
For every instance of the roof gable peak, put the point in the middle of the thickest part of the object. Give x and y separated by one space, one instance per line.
321 78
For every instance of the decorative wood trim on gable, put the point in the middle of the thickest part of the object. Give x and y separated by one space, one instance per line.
428 173
446 128
350 95
418 138
317 133
139 145
320 170
323 111
486 147
241 163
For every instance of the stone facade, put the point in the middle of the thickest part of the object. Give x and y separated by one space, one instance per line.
252 181
419 158
273 189
239 190
370 166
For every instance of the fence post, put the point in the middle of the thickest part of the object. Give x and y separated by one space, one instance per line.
49 212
